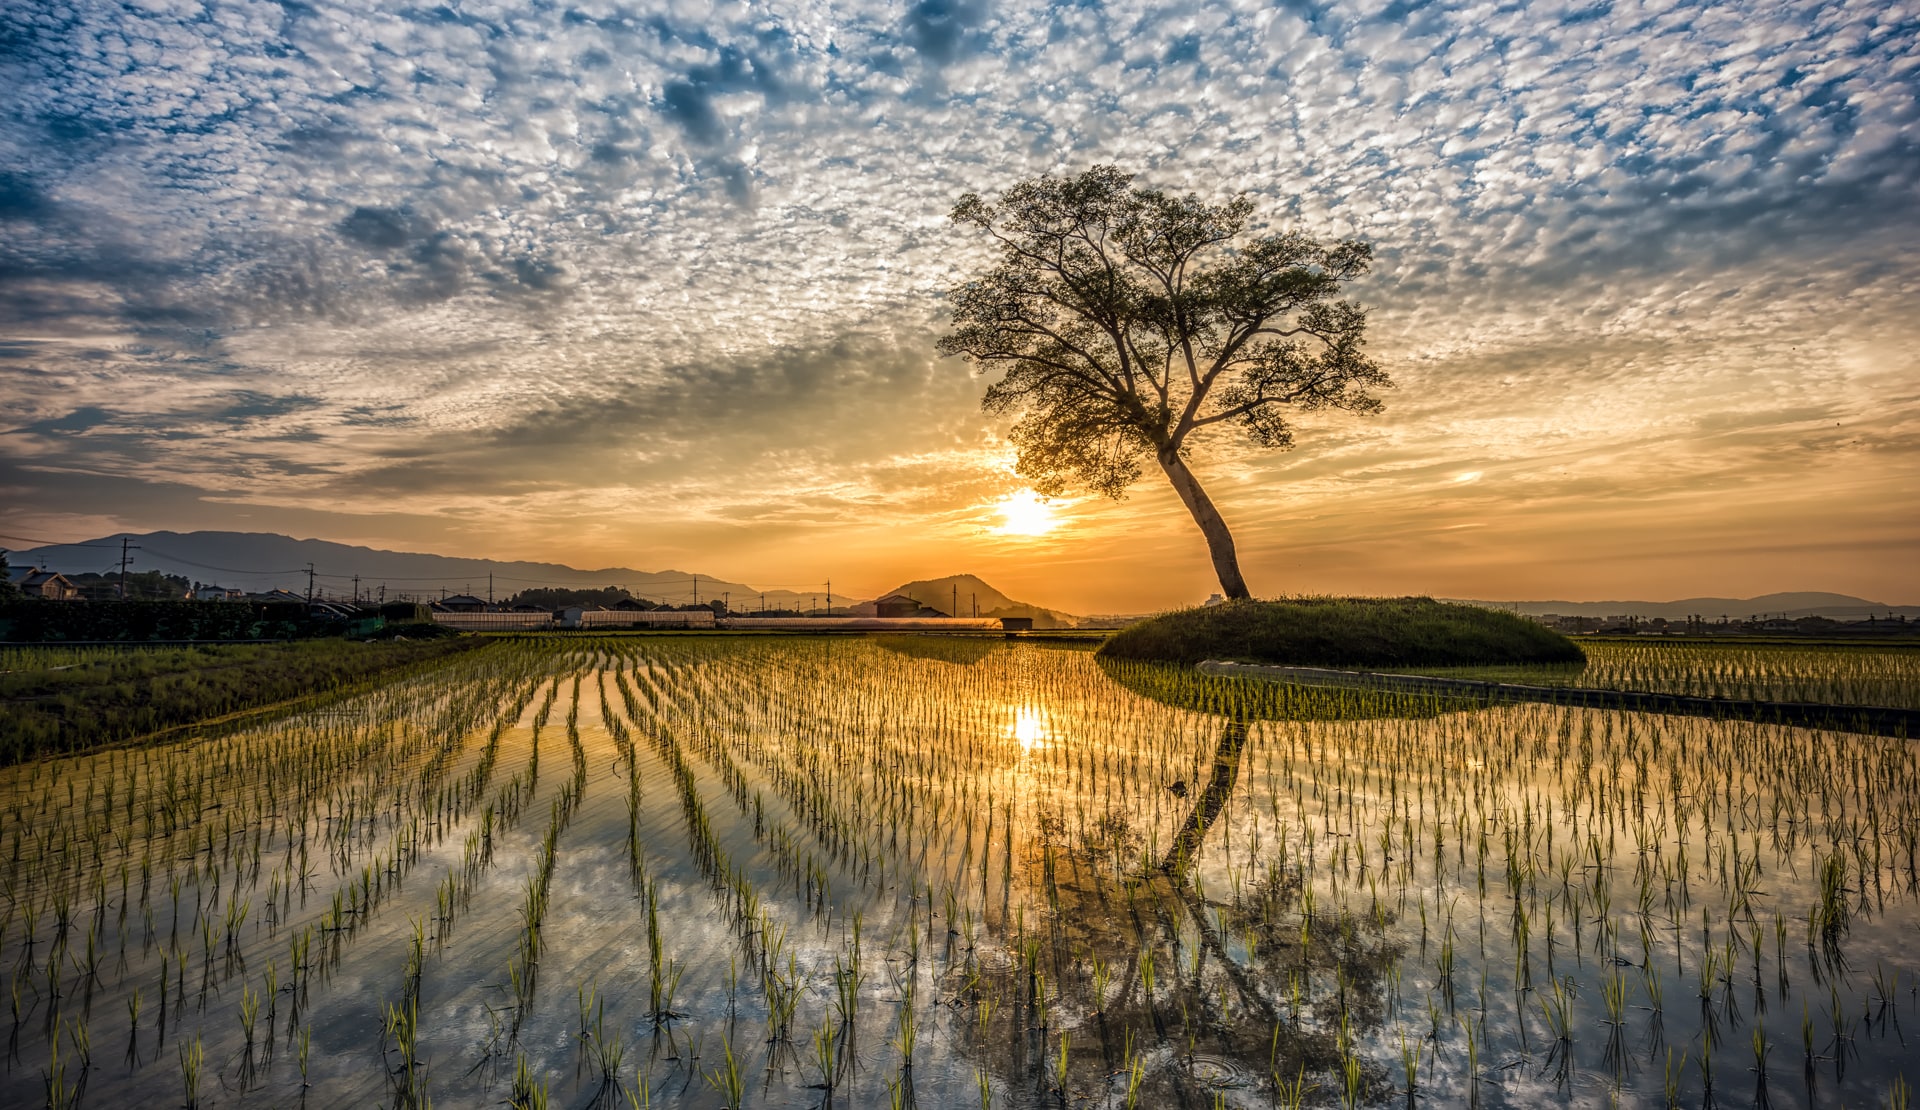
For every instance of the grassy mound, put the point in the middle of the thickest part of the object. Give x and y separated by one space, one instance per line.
1368 632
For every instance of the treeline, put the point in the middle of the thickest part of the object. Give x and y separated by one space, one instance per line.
55 700
33 621
605 597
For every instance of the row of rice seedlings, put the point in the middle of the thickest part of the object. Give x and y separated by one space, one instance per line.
1735 859
1740 863
239 777
1833 675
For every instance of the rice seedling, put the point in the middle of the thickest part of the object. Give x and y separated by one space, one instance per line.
192 1057
527 1092
727 1079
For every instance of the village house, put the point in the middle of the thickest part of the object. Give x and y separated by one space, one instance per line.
48 584
900 605
279 597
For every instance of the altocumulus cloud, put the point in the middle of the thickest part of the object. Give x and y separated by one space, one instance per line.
268 249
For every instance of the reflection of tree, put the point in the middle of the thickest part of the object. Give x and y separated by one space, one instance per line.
1146 970
1207 805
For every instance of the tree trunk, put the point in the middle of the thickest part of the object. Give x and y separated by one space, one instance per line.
1219 541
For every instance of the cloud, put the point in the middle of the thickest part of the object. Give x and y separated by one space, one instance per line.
940 29
21 199
381 229
694 257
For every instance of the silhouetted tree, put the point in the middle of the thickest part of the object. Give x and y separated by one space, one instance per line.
1128 319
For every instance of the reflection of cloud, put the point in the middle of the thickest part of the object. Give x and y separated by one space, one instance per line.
687 266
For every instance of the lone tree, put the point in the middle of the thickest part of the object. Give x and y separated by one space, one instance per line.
1128 319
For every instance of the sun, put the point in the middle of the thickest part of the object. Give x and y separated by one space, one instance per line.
1025 513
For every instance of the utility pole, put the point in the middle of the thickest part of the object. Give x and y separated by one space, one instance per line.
309 583
696 589
356 591
763 602
126 545
955 610
726 597
976 604
489 587
383 593
829 597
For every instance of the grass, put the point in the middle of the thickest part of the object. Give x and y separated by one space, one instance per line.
1343 632
64 699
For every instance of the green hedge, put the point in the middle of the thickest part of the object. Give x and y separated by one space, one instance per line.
34 621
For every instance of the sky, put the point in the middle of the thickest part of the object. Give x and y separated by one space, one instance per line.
658 285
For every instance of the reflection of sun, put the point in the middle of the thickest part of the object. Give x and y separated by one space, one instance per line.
1029 727
1025 513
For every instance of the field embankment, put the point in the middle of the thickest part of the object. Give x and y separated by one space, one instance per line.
65 699
1343 632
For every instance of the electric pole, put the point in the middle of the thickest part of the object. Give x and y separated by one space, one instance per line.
955 610
829 597
696 589
125 546
356 591
489 588
309 583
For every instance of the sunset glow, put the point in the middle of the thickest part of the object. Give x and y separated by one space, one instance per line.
1026 513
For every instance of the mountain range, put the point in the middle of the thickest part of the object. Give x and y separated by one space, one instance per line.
260 561
1766 606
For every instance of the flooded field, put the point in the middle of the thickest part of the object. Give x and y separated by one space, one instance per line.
712 871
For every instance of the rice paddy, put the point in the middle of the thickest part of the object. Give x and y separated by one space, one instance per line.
1868 674
738 871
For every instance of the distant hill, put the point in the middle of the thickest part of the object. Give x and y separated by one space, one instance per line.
964 595
259 561
1787 605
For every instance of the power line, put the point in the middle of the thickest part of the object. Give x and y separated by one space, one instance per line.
664 587
226 570
54 543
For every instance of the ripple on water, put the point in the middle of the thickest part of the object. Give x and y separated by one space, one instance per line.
1218 1071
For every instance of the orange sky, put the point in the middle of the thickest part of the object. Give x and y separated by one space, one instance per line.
667 296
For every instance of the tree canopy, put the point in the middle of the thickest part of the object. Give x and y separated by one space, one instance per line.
1128 319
